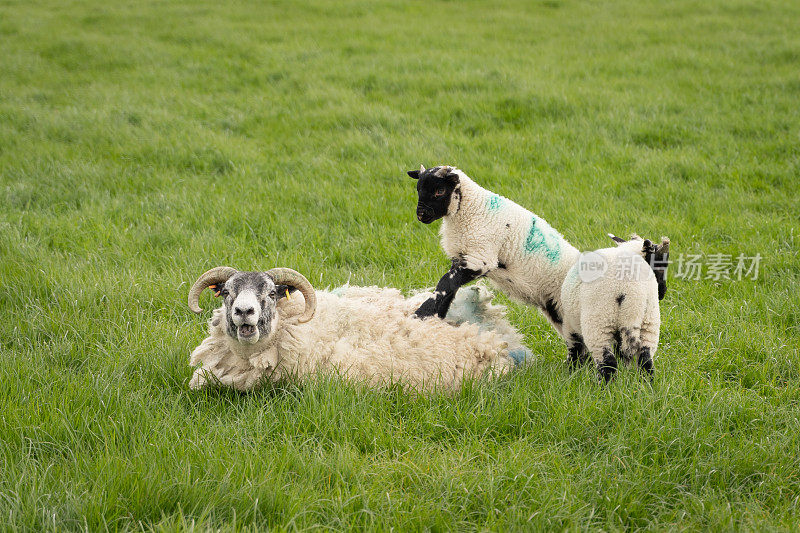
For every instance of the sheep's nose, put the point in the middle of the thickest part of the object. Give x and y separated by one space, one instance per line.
244 311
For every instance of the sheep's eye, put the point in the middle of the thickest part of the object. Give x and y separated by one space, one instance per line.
440 191
272 294
224 292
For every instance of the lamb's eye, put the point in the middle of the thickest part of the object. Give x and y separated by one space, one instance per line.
440 191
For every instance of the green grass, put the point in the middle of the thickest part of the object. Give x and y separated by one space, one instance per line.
143 142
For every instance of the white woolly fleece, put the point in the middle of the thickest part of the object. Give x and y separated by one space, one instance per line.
624 298
365 333
488 230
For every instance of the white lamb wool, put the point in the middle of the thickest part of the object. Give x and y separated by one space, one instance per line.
614 307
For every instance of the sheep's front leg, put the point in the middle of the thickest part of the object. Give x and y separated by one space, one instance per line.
458 275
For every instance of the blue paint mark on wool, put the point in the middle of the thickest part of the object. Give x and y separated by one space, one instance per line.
494 202
339 291
465 308
544 239
520 355
469 305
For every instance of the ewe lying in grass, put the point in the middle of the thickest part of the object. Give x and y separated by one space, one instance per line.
365 333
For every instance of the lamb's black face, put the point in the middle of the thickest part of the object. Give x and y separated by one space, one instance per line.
655 255
659 262
436 188
250 299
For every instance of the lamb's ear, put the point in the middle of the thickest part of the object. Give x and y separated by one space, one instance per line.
283 291
618 240
415 173
647 246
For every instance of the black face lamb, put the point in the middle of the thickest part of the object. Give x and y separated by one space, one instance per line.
250 298
655 255
437 188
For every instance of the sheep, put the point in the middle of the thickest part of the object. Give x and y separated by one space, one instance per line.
487 235
261 332
610 303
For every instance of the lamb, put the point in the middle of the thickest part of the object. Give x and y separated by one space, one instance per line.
264 332
610 301
487 235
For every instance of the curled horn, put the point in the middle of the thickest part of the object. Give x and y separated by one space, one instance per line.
287 276
210 277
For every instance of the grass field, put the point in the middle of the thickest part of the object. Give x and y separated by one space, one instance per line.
143 142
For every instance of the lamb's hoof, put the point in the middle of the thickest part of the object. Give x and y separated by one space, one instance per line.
573 365
647 368
607 368
606 375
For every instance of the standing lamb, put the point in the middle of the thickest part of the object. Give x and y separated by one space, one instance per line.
488 235
366 333
610 301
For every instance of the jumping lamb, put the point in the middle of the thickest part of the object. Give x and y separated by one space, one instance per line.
274 324
485 234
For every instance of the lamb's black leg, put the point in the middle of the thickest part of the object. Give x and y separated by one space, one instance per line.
457 276
607 368
645 360
577 352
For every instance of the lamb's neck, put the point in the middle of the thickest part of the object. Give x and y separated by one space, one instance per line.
470 203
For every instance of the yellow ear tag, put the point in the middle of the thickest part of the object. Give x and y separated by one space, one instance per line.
287 295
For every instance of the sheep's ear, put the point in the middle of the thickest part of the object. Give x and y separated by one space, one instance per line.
216 289
647 246
283 291
618 240
415 173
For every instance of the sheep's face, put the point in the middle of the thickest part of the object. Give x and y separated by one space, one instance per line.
250 306
658 259
437 188
656 255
